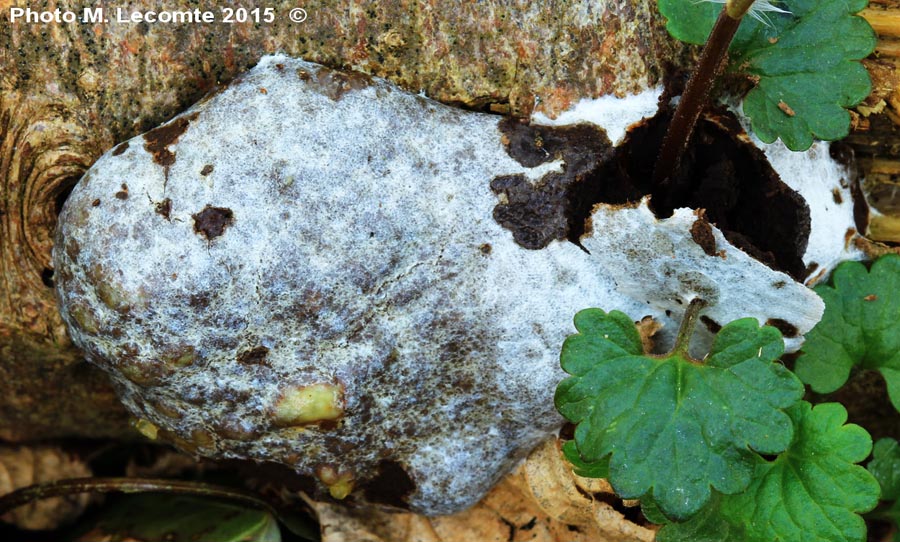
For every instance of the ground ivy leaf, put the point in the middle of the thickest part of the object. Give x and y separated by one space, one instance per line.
150 517
598 469
673 428
860 326
885 467
805 78
690 21
813 492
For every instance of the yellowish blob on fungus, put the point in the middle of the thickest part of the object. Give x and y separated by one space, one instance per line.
339 483
310 404
146 428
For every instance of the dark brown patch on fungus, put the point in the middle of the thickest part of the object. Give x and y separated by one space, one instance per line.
391 486
710 324
212 221
158 139
702 234
723 173
163 208
848 236
122 194
860 207
207 169
95 203
555 207
786 328
255 356
336 83
120 149
836 194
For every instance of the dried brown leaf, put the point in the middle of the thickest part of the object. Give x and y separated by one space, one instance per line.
541 501
22 466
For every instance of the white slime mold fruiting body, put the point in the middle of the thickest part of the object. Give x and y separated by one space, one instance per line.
308 268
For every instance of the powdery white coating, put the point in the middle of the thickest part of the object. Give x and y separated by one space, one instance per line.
663 253
825 185
613 114
307 226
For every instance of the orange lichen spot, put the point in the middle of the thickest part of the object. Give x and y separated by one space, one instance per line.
339 482
310 404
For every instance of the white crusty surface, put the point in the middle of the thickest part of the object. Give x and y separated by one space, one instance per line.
662 253
359 250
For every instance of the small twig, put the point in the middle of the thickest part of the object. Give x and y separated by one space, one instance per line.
697 92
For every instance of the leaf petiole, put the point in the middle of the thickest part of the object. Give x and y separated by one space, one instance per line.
738 8
698 89
686 331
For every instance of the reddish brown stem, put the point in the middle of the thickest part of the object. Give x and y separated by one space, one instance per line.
696 96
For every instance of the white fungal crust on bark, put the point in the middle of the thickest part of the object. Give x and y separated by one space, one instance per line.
310 268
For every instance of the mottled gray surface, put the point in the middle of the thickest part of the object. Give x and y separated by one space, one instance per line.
307 227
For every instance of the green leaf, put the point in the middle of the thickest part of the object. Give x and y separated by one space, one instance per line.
885 467
598 469
689 21
673 427
152 517
806 65
860 326
813 492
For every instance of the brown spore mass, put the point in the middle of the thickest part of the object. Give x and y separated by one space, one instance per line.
553 207
836 195
710 324
164 208
120 149
702 234
212 221
721 173
158 140
786 328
